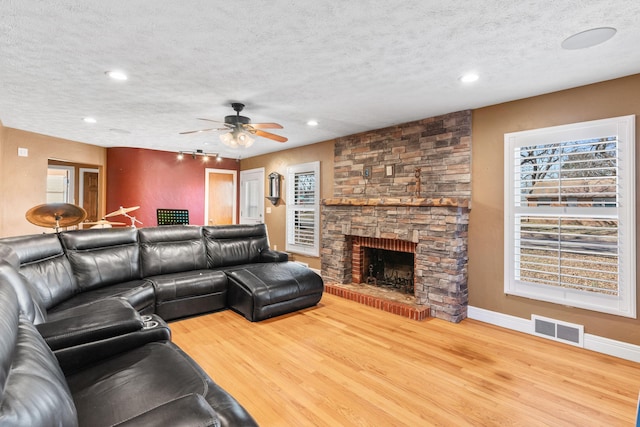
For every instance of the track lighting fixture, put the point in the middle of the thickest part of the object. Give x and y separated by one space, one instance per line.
199 153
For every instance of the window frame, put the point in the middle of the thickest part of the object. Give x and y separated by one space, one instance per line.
293 208
623 304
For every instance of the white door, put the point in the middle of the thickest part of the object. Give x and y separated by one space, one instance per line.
252 196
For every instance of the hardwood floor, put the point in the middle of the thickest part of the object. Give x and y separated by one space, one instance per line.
346 364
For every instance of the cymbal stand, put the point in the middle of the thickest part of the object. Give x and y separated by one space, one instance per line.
133 220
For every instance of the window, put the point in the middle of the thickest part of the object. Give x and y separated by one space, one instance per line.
303 208
570 215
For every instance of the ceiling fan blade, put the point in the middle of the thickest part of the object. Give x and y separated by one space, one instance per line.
266 125
270 135
195 131
202 130
209 120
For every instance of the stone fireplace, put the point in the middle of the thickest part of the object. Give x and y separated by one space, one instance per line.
421 207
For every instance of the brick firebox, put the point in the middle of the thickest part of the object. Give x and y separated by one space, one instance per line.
358 270
437 227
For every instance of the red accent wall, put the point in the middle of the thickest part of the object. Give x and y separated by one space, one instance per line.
155 179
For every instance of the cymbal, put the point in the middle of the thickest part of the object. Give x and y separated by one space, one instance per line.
122 211
103 222
56 215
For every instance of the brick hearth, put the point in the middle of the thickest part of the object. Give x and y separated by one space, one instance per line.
360 295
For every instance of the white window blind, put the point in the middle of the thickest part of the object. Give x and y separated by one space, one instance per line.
303 208
570 215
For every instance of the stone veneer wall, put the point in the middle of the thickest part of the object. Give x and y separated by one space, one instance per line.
440 146
388 207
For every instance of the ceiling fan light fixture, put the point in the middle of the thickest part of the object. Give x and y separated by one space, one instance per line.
237 138
228 139
245 139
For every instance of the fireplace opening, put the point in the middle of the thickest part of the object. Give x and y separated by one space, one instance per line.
388 269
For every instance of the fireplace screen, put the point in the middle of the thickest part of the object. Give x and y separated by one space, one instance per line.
389 269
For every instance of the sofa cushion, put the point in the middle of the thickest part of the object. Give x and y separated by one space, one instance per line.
34 391
187 411
190 292
29 305
139 293
43 263
235 244
101 257
171 249
156 374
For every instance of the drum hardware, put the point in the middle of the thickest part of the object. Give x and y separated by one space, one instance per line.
125 212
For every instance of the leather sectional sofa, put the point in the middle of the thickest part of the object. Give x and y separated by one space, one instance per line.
84 338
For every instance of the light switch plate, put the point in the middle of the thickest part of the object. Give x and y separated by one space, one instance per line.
23 152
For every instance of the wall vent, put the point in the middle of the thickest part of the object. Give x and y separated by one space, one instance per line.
568 333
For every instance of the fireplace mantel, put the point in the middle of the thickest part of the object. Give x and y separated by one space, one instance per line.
409 202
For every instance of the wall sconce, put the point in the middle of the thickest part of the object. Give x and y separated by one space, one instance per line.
274 188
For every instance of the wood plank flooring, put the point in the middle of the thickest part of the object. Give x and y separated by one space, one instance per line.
346 364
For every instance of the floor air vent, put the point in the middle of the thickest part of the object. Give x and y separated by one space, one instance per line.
557 330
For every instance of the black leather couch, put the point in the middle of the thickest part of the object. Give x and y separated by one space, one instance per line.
100 300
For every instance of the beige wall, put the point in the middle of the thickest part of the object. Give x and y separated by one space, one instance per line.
278 162
603 100
3 198
23 179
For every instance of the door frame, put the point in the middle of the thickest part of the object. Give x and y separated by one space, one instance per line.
231 172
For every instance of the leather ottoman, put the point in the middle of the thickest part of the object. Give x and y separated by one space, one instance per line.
262 291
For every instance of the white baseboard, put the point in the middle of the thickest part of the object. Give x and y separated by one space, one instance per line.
595 343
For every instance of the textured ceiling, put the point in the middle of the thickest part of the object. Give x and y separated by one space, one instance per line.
352 66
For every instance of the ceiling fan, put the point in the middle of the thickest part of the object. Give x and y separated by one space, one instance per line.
241 129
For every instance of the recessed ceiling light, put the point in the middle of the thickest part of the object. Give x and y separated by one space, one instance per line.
588 38
89 120
312 123
469 78
116 75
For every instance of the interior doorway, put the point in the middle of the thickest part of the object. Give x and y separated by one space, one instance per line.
221 189
76 183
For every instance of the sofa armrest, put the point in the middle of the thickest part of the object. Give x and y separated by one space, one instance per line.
189 410
269 255
72 359
90 322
